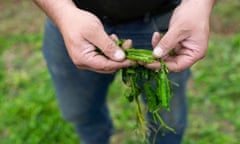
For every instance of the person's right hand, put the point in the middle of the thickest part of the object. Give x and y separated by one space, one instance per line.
83 33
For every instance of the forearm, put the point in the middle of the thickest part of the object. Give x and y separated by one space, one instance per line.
211 2
56 10
206 4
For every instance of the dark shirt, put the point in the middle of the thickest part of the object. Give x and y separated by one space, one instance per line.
124 10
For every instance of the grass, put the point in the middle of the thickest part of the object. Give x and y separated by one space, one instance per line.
29 112
213 94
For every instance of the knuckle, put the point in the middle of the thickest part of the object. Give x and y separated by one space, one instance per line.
109 47
202 55
107 68
77 61
104 66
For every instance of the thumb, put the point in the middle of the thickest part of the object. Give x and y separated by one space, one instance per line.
167 43
107 45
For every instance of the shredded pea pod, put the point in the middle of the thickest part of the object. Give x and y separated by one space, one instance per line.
140 55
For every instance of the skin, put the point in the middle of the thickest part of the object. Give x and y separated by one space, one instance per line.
188 35
82 31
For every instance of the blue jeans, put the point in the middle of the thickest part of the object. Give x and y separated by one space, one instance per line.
81 94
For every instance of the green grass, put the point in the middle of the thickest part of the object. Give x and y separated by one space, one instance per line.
29 112
214 94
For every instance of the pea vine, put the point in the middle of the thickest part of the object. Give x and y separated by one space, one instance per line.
153 83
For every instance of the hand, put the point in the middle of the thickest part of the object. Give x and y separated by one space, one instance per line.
187 36
83 32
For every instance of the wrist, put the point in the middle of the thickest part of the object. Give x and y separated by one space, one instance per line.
56 11
208 1
205 5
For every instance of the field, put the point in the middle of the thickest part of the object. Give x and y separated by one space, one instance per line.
29 112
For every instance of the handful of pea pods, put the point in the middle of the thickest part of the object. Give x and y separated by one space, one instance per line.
154 84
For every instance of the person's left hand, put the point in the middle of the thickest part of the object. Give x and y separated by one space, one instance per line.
187 36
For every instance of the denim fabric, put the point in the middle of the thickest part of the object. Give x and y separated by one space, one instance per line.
81 94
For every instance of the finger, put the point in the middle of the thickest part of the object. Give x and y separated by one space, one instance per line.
155 38
177 64
168 42
114 37
184 59
101 40
102 64
154 66
127 44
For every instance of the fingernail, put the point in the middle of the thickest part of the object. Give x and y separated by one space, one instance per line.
119 55
127 44
158 52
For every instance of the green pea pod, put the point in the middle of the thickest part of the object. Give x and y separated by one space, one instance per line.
140 55
139 52
163 87
151 97
142 58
